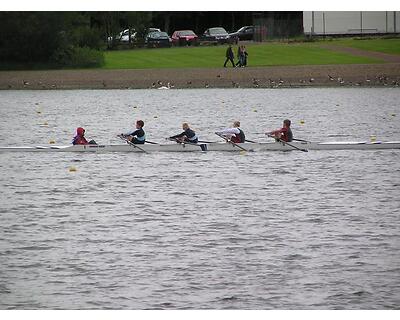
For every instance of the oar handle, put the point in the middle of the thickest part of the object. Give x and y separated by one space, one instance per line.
202 146
229 141
130 143
284 142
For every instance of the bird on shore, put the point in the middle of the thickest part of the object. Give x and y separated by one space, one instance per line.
26 83
330 77
206 85
165 87
255 83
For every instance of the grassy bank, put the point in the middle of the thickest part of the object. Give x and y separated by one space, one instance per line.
391 46
266 54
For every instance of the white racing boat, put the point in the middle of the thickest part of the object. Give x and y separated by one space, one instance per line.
214 146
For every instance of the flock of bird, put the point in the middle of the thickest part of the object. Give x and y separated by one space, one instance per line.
381 80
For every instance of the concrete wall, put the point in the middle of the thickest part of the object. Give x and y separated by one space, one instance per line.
350 22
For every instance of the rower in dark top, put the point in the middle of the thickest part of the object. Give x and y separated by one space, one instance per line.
138 136
188 135
234 134
284 133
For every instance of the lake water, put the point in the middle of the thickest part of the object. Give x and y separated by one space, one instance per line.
218 230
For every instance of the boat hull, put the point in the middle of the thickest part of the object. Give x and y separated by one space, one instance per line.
217 146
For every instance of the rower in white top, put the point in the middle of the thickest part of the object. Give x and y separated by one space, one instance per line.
234 134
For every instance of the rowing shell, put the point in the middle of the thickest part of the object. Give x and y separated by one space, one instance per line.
216 146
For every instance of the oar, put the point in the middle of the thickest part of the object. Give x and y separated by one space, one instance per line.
147 141
231 142
201 141
132 144
202 146
284 142
250 141
300 140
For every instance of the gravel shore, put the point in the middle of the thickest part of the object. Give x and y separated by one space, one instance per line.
386 74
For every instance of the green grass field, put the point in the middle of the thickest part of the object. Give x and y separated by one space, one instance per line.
391 46
266 54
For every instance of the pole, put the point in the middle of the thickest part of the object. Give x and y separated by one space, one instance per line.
361 24
323 21
312 23
386 22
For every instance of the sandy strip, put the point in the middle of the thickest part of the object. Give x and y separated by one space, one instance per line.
386 74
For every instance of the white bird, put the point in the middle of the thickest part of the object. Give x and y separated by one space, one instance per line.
165 87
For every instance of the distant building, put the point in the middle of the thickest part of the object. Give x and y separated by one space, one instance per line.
331 23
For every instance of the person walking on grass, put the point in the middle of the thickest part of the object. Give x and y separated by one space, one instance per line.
229 56
239 56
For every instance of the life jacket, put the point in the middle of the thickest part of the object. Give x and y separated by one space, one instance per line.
191 136
141 138
79 140
287 135
239 138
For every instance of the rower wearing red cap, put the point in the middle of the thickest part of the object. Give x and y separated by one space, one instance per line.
80 137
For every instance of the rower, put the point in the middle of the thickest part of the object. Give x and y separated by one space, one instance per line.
80 137
188 135
234 134
138 136
284 133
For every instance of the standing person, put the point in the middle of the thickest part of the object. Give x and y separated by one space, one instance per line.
229 56
80 137
244 56
138 136
188 135
239 55
284 133
234 134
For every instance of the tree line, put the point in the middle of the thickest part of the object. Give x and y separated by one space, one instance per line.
78 39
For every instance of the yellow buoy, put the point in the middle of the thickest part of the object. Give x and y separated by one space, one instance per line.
393 114
52 142
372 138
134 107
38 112
72 169
155 117
301 121
255 110
45 123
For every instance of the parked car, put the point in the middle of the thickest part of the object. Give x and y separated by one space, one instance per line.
158 39
184 37
149 30
217 35
244 33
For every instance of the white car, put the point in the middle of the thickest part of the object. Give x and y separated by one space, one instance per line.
124 36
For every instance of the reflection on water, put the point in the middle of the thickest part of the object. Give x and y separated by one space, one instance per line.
261 230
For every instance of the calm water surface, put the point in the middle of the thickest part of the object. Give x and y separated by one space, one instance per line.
261 230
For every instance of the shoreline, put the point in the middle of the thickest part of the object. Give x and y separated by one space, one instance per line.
362 75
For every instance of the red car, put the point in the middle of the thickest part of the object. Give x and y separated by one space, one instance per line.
184 37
